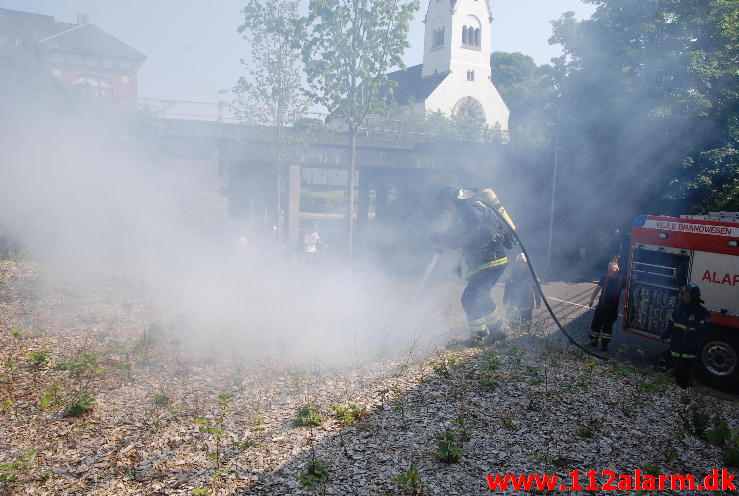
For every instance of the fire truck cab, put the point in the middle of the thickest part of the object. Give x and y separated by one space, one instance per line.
669 252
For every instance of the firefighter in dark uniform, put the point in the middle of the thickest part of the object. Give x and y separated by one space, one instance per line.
476 229
687 329
610 287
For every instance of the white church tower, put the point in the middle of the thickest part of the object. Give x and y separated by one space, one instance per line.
455 75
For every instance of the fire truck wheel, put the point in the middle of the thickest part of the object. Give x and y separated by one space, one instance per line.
720 359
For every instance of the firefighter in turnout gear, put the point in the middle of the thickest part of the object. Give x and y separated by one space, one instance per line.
483 239
687 329
606 312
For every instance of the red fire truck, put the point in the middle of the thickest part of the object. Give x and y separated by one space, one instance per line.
669 252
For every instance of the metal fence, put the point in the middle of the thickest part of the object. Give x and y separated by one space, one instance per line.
373 128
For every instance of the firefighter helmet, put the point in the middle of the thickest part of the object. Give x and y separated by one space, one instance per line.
694 291
447 195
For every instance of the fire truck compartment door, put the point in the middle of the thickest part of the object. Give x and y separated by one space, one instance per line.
718 277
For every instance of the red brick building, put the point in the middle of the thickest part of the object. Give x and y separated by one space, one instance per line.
77 53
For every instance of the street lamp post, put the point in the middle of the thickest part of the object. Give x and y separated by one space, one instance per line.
554 187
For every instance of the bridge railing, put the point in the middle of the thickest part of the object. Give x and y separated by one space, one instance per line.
401 131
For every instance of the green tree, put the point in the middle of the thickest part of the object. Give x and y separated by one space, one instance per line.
528 90
272 93
649 108
351 46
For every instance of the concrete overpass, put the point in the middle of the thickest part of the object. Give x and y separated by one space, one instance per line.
240 163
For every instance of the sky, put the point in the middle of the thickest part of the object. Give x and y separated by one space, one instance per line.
193 48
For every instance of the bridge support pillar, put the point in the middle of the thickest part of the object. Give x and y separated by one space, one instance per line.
364 198
293 205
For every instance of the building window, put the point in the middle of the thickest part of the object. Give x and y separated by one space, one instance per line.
96 86
470 75
471 32
437 37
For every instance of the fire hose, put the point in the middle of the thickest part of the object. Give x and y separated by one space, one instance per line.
504 221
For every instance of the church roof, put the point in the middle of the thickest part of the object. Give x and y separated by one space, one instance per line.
453 5
410 87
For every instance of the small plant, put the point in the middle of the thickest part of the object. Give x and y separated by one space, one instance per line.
463 429
51 397
9 472
85 362
698 420
81 405
316 474
533 405
659 383
409 482
38 358
488 380
244 445
201 491
731 456
651 469
622 368
16 333
308 416
448 446
349 414
671 454
720 434
441 368
628 411
258 420
508 423
161 399
589 429
491 363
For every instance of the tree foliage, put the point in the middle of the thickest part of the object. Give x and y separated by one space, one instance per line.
649 106
271 94
529 92
350 48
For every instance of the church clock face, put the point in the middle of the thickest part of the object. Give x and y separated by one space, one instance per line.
469 108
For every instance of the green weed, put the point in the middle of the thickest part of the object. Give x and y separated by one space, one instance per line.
409 482
308 416
82 404
316 474
349 414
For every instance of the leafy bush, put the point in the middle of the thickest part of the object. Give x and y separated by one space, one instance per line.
38 358
81 405
308 416
349 414
448 447
409 482
316 473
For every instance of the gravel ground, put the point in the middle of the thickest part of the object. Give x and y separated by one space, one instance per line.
529 404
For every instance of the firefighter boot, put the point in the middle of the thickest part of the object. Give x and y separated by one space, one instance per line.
479 337
604 342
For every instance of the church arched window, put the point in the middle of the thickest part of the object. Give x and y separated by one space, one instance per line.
469 109
471 32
